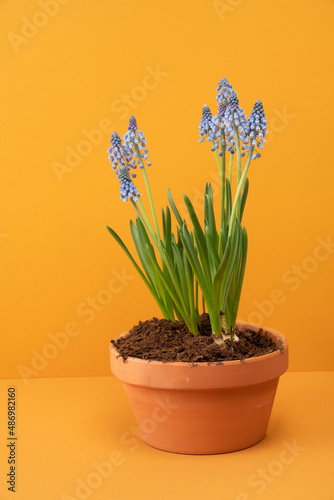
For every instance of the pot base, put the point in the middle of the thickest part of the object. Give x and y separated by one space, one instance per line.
203 422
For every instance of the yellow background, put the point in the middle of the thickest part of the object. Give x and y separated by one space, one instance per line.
72 67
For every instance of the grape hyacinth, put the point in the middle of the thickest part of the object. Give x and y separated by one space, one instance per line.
234 118
230 124
128 189
224 89
121 158
135 141
229 116
119 155
256 130
208 128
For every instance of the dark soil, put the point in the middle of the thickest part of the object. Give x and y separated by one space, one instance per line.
165 340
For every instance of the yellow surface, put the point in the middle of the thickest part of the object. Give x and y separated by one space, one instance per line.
69 429
72 72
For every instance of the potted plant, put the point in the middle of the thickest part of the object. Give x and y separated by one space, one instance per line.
198 381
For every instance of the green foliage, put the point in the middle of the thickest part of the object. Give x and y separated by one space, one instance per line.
205 257
200 261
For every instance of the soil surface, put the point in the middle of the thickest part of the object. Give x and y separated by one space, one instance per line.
165 340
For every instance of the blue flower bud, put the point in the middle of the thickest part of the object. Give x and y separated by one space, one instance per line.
132 124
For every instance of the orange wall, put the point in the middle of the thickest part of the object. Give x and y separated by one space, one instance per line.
72 67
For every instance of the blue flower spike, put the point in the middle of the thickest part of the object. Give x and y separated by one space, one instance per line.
224 91
128 189
256 130
121 158
234 119
135 141
208 128
119 155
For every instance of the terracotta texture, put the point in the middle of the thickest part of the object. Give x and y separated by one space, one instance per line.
201 408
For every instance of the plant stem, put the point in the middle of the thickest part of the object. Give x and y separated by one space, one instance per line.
237 148
216 324
147 225
217 158
238 193
142 208
222 182
221 162
149 192
230 169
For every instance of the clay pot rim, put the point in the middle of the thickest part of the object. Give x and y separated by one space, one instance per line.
279 338
183 375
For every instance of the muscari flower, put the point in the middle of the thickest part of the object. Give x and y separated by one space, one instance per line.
208 128
234 118
224 91
229 116
256 129
128 189
119 155
135 141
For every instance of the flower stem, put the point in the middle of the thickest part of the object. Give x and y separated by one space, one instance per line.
142 208
217 158
222 183
230 169
239 172
221 167
236 201
146 223
149 192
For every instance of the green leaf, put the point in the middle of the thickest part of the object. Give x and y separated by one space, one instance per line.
142 242
125 249
195 221
179 241
209 215
151 288
199 238
174 278
143 233
223 238
244 197
189 280
181 273
168 231
145 241
141 250
219 276
163 277
228 201
163 223
173 206
190 249
241 274
176 293
212 249
206 196
235 251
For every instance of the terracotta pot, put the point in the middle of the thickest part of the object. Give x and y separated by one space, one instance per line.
202 408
